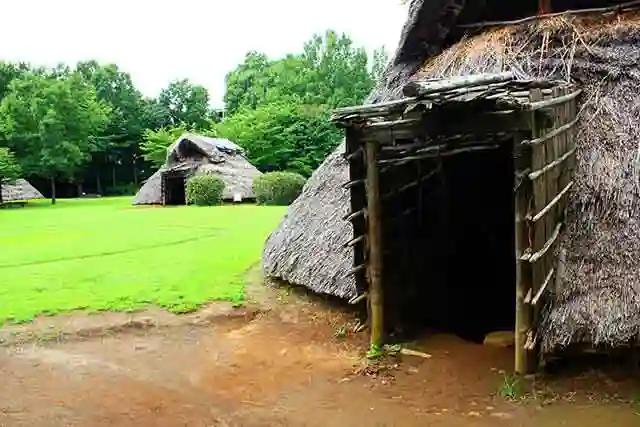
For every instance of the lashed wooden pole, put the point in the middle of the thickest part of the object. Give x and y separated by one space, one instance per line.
544 7
374 229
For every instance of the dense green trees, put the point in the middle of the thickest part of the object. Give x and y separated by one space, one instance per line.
51 123
89 125
278 110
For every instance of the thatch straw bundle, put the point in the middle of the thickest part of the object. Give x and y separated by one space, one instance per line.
598 300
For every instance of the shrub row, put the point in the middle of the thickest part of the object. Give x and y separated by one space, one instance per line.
273 188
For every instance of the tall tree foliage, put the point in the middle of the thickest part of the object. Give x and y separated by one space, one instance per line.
187 103
279 109
52 122
283 136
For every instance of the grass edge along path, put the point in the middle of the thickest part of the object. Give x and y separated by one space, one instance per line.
105 255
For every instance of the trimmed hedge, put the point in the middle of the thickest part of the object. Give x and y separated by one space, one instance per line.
205 190
278 188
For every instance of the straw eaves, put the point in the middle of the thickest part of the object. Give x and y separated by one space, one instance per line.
598 300
21 190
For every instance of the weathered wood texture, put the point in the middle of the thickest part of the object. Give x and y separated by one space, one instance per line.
395 153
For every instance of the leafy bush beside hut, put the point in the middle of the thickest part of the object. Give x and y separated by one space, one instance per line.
278 188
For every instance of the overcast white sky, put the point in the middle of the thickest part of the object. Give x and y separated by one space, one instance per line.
157 41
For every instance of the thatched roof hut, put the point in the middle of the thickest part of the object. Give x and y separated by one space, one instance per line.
196 154
21 190
598 301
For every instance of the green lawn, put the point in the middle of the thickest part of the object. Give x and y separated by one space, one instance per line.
104 254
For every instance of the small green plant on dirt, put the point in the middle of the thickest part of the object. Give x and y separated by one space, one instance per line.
510 388
205 190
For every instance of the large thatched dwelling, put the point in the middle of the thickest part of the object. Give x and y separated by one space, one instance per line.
196 154
21 190
597 301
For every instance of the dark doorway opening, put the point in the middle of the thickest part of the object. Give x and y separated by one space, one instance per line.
174 190
457 258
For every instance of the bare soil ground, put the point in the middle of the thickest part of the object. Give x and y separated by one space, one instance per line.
288 366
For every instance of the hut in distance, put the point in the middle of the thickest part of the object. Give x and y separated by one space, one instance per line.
20 191
194 154
594 294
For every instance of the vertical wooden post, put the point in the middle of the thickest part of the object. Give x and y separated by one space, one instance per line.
374 240
358 200
521 242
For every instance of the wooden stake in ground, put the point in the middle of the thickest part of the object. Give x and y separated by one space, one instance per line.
374 272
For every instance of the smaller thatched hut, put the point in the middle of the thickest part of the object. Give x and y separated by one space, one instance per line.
21 190
196 154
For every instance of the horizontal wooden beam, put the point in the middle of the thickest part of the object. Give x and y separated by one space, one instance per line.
553 133
532 257
543 288
356 269
354 241
377 108
551 102
422 88
553 202
350 184
358 298
536 174
353 215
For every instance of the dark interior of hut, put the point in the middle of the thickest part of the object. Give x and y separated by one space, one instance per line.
449 245
174 189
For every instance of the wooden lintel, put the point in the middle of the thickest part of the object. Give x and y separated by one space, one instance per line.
422 88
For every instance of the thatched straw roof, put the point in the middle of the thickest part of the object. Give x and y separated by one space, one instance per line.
21 190
599 299
203 155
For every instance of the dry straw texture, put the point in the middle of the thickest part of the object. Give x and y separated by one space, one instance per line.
21 190
598 300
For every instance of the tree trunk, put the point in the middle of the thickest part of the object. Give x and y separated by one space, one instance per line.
53 190
98 183
135 171
113 177
79 187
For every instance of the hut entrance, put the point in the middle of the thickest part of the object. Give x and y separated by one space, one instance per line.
173 189
476 237
458 199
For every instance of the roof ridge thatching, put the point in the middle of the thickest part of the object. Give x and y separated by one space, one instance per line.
599 300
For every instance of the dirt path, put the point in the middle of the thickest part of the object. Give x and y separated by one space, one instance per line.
281 368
